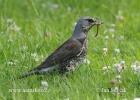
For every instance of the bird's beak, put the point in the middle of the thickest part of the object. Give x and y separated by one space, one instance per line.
97 22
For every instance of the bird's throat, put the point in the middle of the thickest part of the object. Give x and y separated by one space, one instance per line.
79 35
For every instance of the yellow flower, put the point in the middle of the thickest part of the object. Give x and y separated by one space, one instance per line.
120 25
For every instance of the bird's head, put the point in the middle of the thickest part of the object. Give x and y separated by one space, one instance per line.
84 24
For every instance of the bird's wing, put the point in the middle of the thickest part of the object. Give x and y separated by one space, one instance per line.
66 51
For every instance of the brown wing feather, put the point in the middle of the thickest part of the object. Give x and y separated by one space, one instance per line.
66 51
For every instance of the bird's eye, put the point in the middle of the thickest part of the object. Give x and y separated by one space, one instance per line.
90 20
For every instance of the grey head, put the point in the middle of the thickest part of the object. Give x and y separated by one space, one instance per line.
83 25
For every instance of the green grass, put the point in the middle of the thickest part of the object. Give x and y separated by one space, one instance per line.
36 17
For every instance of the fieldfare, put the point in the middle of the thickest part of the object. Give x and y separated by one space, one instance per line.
70 52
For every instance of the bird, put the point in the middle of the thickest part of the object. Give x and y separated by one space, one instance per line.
74 50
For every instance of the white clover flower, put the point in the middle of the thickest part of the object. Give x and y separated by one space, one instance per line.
117 65
55 5
33 54
35 57
138 68
118 69
111 30
113 25
44 83
16 28
123 64
118 77
10 63
120 17
104 68
134 67
106 37
105 49
117 50
86 61
109 67
136 63
116 89
9 20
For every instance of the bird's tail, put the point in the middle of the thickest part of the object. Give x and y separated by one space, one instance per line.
26 75
35 71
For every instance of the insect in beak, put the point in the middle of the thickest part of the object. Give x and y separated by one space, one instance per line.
97 22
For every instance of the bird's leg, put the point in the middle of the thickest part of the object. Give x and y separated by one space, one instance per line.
72 68
72 72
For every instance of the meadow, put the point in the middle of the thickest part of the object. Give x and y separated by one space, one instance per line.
30 30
